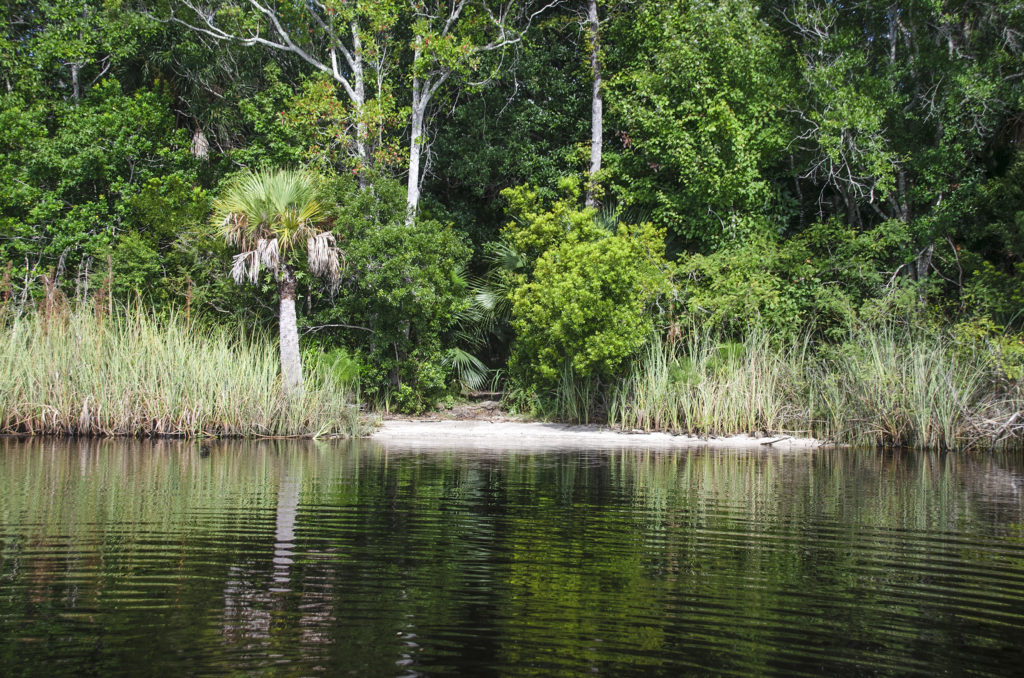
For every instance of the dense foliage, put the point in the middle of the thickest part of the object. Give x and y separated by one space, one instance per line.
800 166
584 303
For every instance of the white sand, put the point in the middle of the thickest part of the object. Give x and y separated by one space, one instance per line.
533 435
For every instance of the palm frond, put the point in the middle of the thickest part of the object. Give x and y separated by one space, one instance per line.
268 253
245 267
269 213
324 257
469 370
486 298
504 256
235 228
608 218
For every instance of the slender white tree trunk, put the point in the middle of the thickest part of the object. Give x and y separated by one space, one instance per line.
359 101
291 364
417 116
420 96
596 101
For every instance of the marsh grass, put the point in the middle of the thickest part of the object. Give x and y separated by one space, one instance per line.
73 372
577 399
900 387
702 385
885 386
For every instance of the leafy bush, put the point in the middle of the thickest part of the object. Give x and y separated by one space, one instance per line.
402 289
538 225
338 365
588 305
990 291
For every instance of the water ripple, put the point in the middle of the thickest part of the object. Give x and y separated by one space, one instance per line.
348 559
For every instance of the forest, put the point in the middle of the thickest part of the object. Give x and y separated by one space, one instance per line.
705 216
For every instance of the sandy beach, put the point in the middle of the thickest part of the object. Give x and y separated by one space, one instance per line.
494 435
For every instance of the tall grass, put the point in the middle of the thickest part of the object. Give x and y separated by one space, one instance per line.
577 399
883 386
897 387
700 384
71 373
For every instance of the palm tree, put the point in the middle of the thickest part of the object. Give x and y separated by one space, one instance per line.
270 216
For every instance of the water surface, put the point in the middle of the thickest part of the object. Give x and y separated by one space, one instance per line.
288 558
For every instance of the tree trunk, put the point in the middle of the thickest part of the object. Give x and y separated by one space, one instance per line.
596 101
291 364
923 262
76 88
359 85
415 148
284 535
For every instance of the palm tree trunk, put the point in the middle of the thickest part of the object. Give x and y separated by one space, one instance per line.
284 536
291 365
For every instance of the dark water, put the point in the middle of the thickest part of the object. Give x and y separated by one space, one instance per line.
346 559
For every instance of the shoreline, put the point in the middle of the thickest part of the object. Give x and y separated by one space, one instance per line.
508 435
490 434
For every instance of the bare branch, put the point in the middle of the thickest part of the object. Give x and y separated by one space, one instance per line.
316 328
210 29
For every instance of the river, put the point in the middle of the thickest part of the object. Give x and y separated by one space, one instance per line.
351 558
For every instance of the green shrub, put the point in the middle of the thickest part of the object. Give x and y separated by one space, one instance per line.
399 296
992 292
819 279
339 365
538 225
588 306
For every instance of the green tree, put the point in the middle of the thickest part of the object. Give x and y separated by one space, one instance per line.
905 110
352 43
697 93
347 41
80 176
399 298
525 125
588 306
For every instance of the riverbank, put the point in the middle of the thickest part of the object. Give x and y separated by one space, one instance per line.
506 434
84 372
883 385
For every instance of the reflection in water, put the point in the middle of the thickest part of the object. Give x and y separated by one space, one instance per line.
248 600
285 557
284 536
